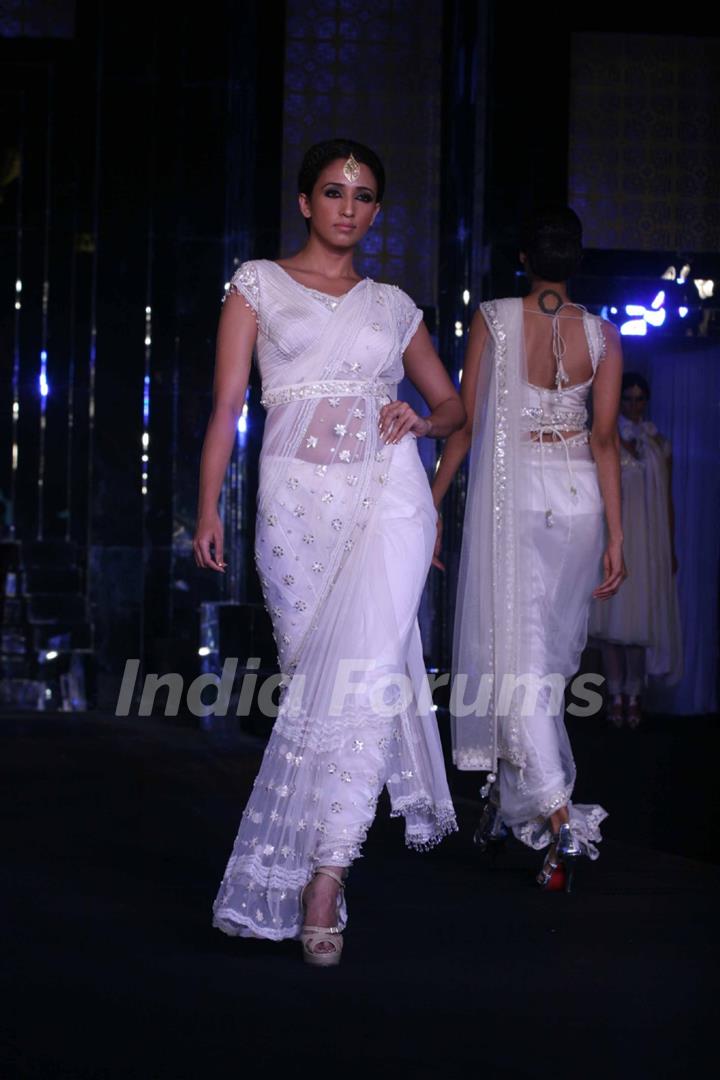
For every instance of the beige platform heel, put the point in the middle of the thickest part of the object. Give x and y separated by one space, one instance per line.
312 936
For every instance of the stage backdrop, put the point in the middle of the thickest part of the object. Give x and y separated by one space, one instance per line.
685 385
644 151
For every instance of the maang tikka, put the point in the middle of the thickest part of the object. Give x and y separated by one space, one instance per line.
351 169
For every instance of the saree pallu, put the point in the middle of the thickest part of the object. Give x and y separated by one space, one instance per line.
344 539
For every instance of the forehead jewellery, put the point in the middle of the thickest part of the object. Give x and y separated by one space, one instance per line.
351 169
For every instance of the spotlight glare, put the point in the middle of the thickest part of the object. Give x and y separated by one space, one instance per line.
637 311
655 318
51 654
669 274
466 296
613 311
203 650
145 439
682 312
658 301
705 287
634 328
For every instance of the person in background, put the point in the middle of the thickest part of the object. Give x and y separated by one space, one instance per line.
639 629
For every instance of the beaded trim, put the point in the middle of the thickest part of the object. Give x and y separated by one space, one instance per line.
563 419
338 387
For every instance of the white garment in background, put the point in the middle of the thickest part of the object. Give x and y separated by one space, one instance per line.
532 543
344 539
645 611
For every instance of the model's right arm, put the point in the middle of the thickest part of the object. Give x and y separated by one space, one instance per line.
236 337
458 444
605 446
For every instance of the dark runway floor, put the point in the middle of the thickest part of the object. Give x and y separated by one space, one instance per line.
116 835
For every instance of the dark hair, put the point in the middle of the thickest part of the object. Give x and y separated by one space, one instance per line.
322 153
633 378
552 240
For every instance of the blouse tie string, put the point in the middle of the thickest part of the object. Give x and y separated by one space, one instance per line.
551 429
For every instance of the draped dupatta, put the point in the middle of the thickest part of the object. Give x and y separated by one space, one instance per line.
485 647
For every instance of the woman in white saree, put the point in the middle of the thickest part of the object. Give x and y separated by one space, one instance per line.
538 484
344 539
639 629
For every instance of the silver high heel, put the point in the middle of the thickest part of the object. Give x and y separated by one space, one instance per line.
563 854
312 936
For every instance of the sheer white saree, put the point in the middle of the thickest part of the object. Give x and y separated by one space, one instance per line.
532 544
646 610
345 533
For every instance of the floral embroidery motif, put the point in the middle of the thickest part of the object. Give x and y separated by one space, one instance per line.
278 552
327 496
340 429
299 511
336 524
289 579
318 567
345 455
311 442
308 538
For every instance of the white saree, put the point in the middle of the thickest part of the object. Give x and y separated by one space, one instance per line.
646 610
344 539
532 545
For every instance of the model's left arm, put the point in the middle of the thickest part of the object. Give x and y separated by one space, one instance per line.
605 446
425 370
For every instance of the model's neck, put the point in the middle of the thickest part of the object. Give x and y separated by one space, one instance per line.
538 287
321 258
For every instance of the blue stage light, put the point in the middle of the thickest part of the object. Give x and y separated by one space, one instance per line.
634 328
